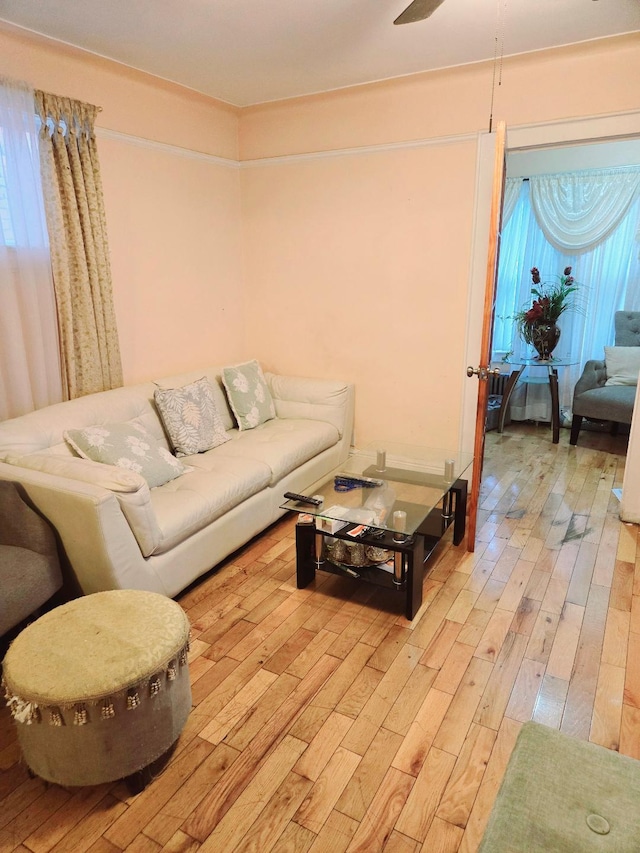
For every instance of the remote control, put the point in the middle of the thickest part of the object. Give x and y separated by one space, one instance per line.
358 482
373 532
302 499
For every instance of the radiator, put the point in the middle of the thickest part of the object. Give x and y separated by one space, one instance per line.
497 384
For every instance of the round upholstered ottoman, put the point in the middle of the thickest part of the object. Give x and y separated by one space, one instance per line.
99 687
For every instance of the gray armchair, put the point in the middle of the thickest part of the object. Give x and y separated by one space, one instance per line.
29 566
597 401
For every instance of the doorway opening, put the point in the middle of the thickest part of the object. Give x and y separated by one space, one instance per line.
540 138
604 277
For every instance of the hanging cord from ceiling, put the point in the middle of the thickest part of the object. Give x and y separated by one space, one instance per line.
498 53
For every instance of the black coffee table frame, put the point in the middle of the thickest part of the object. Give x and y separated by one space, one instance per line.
414 552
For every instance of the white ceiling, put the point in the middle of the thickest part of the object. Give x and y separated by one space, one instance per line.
250 51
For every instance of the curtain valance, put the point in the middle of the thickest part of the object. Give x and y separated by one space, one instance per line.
577 211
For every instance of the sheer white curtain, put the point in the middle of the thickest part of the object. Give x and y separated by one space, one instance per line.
29 355
609 275
512 187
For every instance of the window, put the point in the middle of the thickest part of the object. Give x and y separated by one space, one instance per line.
29 354
7 237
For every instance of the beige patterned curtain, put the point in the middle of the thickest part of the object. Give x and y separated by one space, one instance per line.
76 223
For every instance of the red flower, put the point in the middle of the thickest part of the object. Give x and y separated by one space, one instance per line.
534 313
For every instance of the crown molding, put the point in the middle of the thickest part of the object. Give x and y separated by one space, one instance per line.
164 147
179 151
542 134
360 150
570 131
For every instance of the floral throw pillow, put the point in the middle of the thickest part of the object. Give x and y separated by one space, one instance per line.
249 395
190 417
127 446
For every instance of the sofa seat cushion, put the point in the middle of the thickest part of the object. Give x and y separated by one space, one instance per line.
191 502
281 444
607 403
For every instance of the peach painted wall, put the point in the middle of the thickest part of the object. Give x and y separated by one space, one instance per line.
345 263
175 240
172 196
361 258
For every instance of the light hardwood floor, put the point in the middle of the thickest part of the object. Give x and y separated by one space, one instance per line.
324 721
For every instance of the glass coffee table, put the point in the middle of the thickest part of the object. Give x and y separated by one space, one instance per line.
382 514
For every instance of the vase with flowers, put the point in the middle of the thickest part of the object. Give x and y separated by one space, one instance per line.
537 323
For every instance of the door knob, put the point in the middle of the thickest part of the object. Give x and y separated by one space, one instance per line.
483 373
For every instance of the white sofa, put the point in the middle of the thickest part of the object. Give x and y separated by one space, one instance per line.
116 532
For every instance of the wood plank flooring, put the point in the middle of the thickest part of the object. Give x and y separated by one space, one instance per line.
324 722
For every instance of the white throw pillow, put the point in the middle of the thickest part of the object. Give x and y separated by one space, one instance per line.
128 446
190 417
623 365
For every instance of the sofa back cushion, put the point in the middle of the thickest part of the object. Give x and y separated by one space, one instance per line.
316 399
43 430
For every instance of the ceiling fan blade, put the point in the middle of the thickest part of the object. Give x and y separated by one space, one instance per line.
418 11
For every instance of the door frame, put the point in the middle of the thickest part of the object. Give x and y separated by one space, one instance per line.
552 134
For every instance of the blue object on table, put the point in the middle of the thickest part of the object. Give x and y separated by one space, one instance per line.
347 484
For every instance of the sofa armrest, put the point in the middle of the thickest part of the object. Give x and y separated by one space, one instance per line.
97 543
85 470
594 375
130 489
317 399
